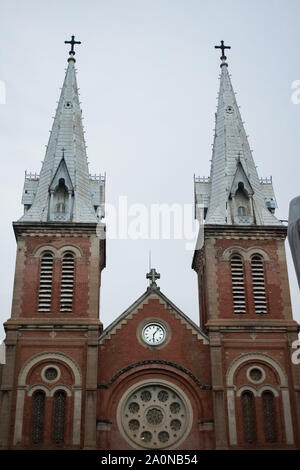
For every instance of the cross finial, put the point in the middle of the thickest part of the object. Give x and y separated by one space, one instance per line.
152 276
223 56
72 42
63 152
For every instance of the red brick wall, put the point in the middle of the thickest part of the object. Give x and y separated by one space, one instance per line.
183 349
32 277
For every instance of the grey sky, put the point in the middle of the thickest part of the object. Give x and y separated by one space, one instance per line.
148 78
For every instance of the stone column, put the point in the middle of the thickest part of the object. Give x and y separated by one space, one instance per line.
218 391
90 433
51 209
7 388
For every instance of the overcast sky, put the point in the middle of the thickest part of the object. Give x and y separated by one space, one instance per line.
148 78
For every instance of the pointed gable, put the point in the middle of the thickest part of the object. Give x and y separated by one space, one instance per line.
136 309
61 173
241 177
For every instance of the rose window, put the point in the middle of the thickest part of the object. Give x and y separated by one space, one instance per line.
255 374
155 417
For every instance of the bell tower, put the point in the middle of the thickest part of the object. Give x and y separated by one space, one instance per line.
244 295
52 335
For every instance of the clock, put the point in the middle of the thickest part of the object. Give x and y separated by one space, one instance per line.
154 333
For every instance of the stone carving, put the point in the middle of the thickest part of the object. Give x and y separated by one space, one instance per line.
294 233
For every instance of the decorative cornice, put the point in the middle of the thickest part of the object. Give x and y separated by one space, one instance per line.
250 232
61 228
156 362
250 324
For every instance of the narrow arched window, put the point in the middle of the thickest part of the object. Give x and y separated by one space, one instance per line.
45 290
249 420
242 212
67 282
59 412
258 280
37 419
238 284
269 416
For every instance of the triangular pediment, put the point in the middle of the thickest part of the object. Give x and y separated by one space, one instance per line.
241 177
134 309
61 173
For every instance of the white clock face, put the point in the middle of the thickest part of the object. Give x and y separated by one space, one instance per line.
154 333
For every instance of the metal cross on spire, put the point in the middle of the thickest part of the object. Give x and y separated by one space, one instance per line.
223 47
72 42
153 276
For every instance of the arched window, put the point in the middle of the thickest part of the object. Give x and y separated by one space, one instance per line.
45 290
238 287
249 420
269 416
58 433
37 419
242 212
67 282
258 280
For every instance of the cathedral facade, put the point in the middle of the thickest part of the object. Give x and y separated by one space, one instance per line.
153 379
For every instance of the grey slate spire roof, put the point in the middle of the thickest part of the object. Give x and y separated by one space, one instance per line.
52 196
233 170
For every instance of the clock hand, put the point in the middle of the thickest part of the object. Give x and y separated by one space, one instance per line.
157 329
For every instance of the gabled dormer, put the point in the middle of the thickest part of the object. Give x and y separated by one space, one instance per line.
240 202
61 194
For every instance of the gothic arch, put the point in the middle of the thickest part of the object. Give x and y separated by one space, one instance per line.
234 250
43 248
60 387
246 388
267 388
22 389
38 387
257 251
71 249
50 356
245 253
255 357
231 389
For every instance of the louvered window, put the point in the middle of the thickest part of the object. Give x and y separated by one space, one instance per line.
38 412
45 290
249 421
269 416
258 279
238 286
67 282
58 433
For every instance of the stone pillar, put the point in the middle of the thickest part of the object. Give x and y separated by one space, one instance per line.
51 209
218 391
7 387
90 433
70 205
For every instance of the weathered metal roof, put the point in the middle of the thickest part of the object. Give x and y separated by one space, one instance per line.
66 140
230 150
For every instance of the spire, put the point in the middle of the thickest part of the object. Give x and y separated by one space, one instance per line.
233 194
64 190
